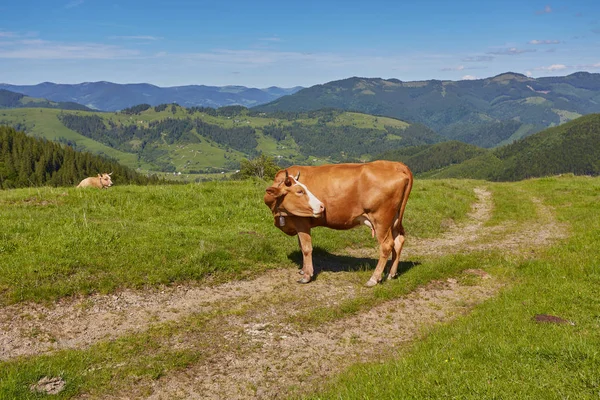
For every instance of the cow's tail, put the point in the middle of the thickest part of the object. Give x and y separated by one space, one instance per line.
405 196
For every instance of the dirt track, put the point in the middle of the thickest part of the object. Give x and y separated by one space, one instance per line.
259 354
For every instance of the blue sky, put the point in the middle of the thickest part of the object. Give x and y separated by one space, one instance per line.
288 43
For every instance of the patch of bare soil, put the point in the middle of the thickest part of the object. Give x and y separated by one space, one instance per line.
473 235
256 352
48 385
273 359
27 329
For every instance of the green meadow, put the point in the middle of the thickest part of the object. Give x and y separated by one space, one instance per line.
60 243
498 351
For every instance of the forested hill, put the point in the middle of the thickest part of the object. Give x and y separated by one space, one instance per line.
570 148
27 161
171 138
426 158
485 112
10 99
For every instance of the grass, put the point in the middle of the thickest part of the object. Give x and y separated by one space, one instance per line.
213 232
498 351
58 242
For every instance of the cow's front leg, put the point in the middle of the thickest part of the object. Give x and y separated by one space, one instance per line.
307 264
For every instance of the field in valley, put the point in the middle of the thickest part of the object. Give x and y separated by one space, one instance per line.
242 135
189 291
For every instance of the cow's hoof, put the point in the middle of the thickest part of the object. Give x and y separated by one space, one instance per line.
301 272
305 279
371 283
390 277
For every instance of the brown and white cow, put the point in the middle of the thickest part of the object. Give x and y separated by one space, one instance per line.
102 181
342 196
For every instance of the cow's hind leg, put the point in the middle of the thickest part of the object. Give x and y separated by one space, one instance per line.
386 245
398 234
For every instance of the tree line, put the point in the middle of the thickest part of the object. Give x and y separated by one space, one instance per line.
573 147
26 161
349 142
134 138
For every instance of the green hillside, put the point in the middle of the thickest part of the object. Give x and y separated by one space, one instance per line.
485 112
433 157
570 148
26 161
170 138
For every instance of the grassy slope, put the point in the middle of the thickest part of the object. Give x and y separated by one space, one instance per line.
495 352
498 351
196 156
165 234
42 122
571 147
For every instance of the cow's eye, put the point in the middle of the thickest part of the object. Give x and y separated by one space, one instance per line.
300 191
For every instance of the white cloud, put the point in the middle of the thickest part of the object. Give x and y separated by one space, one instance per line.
4 34
266 57
41 49
478 59
271 39
469 77
511 51
554 67
591 66
546 10
138 37
462 68
459 68
528 73
544 42
561 67
74 3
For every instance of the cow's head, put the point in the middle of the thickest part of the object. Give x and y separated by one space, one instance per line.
289 196
105 180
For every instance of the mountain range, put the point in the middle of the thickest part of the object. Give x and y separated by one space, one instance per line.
485 112
108 96
382 119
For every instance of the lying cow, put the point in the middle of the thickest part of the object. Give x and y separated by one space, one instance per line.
102 181
343 196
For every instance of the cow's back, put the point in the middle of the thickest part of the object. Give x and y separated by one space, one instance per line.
348 190
90 182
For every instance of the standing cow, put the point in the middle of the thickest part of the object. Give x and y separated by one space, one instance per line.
102 181
342 196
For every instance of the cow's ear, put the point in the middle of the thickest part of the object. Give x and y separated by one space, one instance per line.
274 191
99 175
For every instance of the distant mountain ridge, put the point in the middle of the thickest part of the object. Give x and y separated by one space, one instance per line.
485 112
108 96
10 99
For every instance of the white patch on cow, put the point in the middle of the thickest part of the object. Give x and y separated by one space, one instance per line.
313 202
